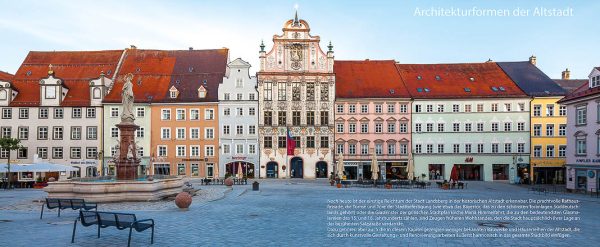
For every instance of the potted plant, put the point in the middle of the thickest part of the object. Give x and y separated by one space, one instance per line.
39 183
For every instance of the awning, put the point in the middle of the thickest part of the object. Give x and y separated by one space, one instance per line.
13 168
38 167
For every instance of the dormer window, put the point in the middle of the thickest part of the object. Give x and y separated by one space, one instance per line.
201 92
595 81
173 92
97 93
50 92
3 94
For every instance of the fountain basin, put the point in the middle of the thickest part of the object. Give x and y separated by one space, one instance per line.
116 191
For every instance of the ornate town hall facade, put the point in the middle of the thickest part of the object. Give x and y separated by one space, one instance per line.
296 84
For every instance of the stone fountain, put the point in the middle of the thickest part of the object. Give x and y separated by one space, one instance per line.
126 186
126 159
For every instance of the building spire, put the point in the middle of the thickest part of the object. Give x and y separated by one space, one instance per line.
296 17
296 21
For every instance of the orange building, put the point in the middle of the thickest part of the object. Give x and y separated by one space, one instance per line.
184 121
185 139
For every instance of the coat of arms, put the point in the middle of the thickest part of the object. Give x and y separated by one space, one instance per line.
296 56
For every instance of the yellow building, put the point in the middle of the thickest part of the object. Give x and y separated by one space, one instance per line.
548 140
548 123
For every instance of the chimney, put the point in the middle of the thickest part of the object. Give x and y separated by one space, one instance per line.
191 48
133 47
533 60
566 75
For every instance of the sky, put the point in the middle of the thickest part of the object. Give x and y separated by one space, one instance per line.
358 30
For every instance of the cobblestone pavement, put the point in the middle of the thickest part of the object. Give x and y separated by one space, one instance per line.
282 213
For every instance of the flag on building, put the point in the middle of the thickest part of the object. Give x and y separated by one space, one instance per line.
291 143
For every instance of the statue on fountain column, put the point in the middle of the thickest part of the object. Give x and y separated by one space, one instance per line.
117 155
131 152
127 100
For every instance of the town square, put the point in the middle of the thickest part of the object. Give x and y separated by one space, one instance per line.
386 123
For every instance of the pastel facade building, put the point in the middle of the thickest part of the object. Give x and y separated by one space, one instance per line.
238 121
548 121
372 115
54 106
583 135
296 86
469 116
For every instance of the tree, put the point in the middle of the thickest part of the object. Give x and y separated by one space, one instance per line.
8 143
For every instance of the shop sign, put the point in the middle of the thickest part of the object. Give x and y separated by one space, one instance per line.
469 159
238 158
587 160
192 159
84 162
591 174
542 162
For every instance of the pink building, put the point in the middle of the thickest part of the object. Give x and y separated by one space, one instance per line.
583 135
372 115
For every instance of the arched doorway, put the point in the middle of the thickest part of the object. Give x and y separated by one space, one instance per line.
297 164
233 168
321 169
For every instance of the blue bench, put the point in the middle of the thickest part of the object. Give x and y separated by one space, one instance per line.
75 204
120 221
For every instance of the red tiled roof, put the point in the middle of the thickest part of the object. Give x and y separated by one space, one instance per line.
75 68
454 78
156 71
4 76
368 79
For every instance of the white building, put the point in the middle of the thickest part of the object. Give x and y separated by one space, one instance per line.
54 106
238 121
296 84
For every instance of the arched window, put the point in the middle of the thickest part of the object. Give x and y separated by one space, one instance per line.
3 94
97 93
